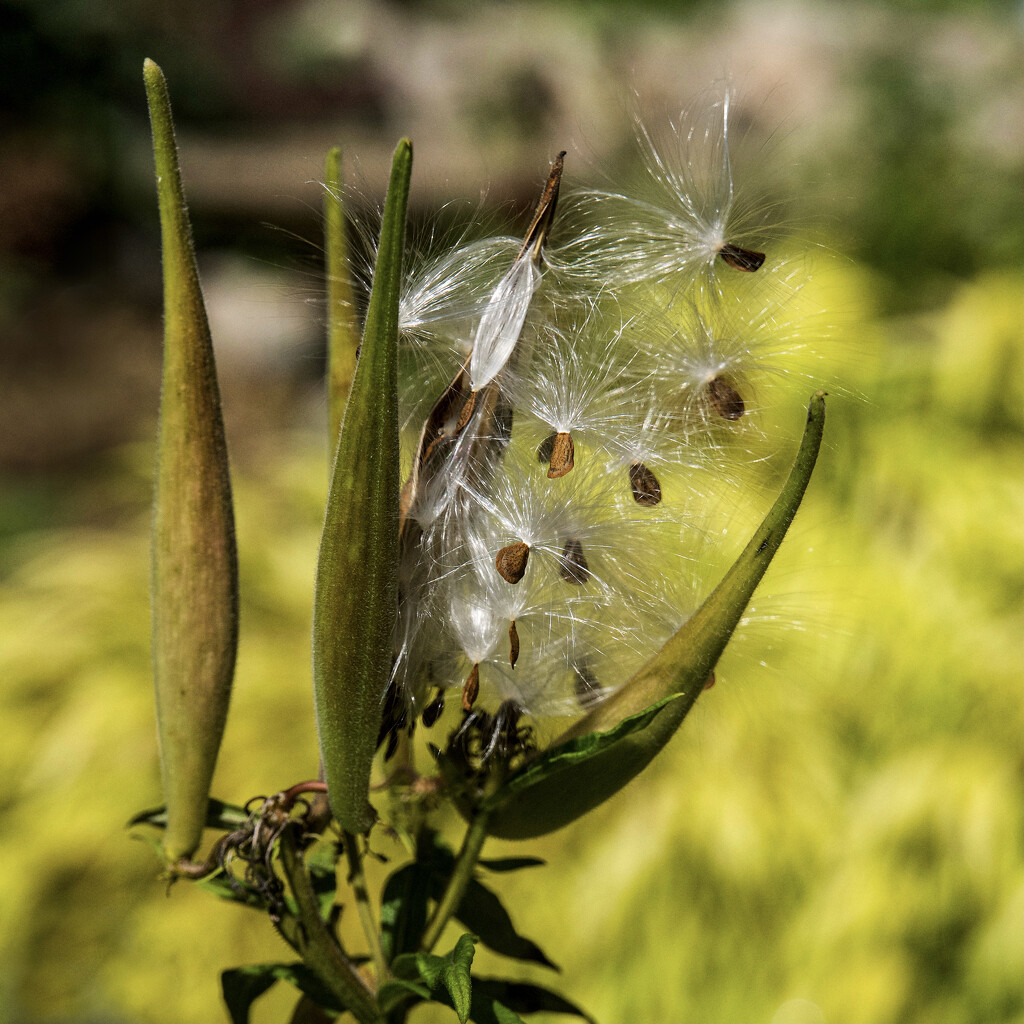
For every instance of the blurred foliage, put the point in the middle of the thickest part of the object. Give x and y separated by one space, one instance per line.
836 833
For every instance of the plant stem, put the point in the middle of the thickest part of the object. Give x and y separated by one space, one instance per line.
357 879
319 950
465 862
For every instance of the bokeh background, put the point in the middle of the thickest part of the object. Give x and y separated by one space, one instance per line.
836 834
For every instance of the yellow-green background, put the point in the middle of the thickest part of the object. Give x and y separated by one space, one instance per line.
836 834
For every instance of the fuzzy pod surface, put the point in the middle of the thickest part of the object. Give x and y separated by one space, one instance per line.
194 574
356 596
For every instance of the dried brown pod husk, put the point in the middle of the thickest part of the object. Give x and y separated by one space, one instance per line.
513 643
511 561
747 260
645 485
573 563
433 711
725 399
470 688
562 452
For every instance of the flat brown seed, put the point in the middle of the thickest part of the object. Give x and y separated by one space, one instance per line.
433 711
513 643
747 260
646 486
725 399
586 687
470 688
545 448
710 681
511 561
562 451
574 568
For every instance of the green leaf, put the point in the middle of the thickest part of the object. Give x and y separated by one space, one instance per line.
342 328
356 596
496 1001
218 815
481 911
242 986
503 864
398 991
403 911
194 561
448 974
613 743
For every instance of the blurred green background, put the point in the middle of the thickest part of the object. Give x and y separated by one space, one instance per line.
836 834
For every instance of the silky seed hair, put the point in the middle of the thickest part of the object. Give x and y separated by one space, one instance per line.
576 406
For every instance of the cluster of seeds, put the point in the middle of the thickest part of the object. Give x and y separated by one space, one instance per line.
561 394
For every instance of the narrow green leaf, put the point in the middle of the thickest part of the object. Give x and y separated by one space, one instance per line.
496 1001
482 912
403 909
456 975
400 991
613 743
447 977
218 815
242 986
503 864
356 596
194 562
342 327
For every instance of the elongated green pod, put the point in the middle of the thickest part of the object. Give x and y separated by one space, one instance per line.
356 597
194 562
342 329
613 743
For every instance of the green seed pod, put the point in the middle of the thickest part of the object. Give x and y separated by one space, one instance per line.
194 568
616 740
356 598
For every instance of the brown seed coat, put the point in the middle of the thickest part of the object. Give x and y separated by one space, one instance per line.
725 399
574 568
645 485
471 688
562 452
511 561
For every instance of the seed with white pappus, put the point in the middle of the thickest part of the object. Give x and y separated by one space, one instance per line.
585 686
645 485
574 568
511 561
433 711
471 688
513 643
747 260
545 448
725 399
562 452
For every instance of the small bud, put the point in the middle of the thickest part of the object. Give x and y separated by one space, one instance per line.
511 561
725 399
513 642
574 568
561 458
471 688
746 260
646 486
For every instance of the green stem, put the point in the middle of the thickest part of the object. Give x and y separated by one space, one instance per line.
357 879
465 863
319 950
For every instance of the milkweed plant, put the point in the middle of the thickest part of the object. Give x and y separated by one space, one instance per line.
506 610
